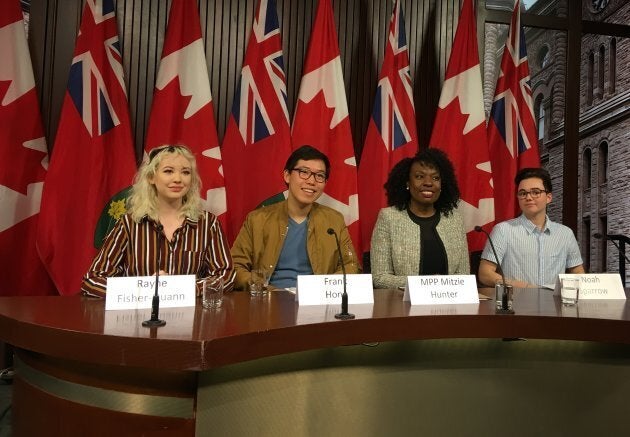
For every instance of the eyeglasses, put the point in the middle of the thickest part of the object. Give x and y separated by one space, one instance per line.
534 192
306 173
155 152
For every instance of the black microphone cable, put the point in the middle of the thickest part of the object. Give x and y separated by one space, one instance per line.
154 321
344 314
505 308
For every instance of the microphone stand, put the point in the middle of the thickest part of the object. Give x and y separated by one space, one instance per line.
344 314
505 309
155 321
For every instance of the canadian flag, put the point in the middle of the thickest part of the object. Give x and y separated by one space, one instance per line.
182 112
23 161
460 130
321 119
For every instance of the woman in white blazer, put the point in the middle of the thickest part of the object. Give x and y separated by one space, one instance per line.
422 231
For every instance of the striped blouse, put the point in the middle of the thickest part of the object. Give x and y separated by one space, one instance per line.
198 247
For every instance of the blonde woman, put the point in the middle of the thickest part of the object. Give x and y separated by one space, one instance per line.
165 214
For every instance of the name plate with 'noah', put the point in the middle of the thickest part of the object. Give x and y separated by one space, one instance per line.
596 286
136 292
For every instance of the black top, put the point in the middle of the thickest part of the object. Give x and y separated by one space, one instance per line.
433 260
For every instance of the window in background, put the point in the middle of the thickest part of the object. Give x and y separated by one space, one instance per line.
602 171
586 243
539 110
600 71
590 79
544 56
586 169
603 245
612 66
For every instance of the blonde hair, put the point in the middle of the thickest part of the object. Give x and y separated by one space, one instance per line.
143 198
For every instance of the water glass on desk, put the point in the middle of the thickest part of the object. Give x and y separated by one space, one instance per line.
258 282
212 294
570 291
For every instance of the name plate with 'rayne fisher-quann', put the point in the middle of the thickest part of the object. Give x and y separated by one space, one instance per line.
441 289
136 292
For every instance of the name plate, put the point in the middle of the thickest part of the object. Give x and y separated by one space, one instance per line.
441 290
136 292
327 289
596 286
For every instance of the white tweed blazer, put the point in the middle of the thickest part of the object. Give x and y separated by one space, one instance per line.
395 247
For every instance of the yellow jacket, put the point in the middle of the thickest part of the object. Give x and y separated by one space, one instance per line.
261 238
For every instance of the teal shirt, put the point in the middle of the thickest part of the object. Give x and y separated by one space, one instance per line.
293 260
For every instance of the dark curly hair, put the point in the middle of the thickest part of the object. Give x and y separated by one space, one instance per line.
396 185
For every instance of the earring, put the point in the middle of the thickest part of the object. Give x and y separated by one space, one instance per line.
407 187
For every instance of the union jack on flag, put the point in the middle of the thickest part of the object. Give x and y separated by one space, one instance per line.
249 110
386 113
391 134
258 129
512 108
86 83
93 145
512 133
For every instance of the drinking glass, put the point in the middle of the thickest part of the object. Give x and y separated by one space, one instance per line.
212 295
570 291
257 282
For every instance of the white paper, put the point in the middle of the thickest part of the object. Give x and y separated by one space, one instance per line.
327 289
595 286
136 292
441 290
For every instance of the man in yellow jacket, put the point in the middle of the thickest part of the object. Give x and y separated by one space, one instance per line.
291 238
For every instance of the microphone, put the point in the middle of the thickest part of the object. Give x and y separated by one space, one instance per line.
504 297
613 239
154 321
344 314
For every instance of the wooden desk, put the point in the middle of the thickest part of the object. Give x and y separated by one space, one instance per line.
81 371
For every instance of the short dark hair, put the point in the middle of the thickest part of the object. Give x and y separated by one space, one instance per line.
396 185
307 153
537 172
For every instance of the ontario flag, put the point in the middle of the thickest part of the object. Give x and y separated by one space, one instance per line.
182 111
93 156
512 135
23 161
391 133
257 140
321 119
460 129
